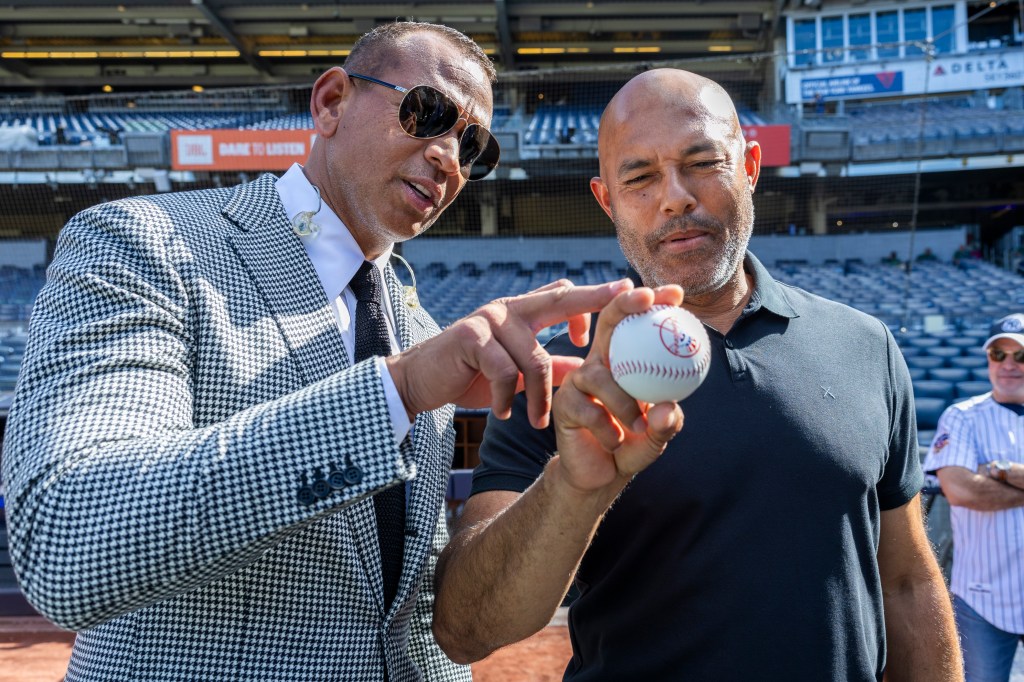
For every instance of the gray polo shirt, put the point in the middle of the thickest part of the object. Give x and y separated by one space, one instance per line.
747 551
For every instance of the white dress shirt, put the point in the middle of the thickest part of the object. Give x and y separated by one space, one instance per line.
336 257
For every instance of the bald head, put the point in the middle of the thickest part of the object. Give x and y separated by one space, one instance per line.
666 93
676 180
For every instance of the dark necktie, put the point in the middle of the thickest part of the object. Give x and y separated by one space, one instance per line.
389 505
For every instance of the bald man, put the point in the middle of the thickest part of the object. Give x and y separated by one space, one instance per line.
778 536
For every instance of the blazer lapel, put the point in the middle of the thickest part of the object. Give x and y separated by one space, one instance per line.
284 275
282 271
425 494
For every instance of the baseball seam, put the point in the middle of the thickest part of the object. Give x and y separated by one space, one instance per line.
626 367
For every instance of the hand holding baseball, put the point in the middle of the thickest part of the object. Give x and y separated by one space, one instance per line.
604 435
488 356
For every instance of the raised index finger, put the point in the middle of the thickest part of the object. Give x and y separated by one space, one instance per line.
561 301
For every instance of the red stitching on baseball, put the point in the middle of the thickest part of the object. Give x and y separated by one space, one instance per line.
627 367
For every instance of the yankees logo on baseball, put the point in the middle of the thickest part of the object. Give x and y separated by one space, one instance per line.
660 355
676 341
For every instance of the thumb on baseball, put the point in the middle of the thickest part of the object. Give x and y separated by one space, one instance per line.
627 303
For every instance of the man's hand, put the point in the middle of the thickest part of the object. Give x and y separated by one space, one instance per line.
604 435
485 358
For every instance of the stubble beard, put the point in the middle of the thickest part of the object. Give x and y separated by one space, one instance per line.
378 234
701 271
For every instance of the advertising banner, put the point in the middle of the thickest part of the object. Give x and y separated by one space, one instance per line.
916 76
774 140
238 150
863 85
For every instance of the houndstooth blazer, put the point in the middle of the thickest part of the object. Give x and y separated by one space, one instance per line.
184 378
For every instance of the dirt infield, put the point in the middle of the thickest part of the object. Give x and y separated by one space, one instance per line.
541 658
33 650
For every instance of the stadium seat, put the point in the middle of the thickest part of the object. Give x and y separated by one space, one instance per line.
925 361
8 376
953 374
980 373
928 412
962 342
933 388
924 341
925 437
969 362
943 351
917 373
966 389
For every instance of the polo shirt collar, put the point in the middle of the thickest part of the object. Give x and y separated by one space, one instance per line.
768 293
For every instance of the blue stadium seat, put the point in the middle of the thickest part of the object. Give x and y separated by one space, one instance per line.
969 362
953 374
928 411
917 373
943 351
925 361
966 389
924 341
933 388
962 342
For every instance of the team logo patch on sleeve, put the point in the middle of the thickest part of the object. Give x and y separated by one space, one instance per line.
940 442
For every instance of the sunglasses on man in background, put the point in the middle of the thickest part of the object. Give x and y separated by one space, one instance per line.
998 355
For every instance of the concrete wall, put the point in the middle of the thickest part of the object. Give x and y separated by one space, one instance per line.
815 249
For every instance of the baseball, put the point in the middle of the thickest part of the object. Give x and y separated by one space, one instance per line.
660 355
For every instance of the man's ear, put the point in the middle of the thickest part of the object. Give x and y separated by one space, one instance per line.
752 163
600 191
330 95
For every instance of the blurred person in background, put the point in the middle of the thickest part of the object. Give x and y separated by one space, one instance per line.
978 456
779 535
229 447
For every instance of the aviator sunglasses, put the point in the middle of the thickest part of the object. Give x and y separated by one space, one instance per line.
426 112
998 355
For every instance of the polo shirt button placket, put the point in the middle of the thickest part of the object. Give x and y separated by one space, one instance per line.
736 366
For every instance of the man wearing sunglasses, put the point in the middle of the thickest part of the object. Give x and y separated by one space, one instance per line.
229 448
978 455
778 536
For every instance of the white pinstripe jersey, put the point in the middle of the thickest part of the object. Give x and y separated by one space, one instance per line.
988 559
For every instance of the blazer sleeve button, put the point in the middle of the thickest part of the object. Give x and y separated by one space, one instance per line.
336 479
306 496
353 475
321 488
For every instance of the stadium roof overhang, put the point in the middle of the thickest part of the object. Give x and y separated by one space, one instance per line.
133 44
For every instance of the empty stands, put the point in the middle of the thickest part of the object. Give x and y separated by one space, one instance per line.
946 363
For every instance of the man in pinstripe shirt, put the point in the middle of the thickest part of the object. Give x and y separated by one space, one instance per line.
978 454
